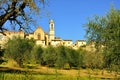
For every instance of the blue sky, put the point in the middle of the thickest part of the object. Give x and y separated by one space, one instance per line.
70 16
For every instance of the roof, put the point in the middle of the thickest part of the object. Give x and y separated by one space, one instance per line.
67 40
39 28
57 40
46 33
80 41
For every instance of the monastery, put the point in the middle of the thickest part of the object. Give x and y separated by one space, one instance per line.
42 38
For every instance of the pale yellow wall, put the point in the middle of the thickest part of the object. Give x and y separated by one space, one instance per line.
55 43
67 43
30 36
39 42
11 34
80 43
2 40
52 37
52 31
41 32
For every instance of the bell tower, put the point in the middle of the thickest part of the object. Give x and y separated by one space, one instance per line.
52 32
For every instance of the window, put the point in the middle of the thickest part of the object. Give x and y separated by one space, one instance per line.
68 42
39 36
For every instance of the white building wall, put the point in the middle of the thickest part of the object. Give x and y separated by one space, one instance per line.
67 43
39 42
55 43
80 43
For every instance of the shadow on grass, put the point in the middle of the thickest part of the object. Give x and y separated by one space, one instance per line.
24 71
11 70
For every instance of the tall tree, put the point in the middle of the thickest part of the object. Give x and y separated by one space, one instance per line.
105 32
19 12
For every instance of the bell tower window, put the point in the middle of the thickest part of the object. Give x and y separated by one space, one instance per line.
51 26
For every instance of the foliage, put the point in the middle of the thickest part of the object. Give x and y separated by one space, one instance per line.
105 32
68 57
61 57
24 52
74 57
81 53
19 12
19 49
93 60
49 56
36 54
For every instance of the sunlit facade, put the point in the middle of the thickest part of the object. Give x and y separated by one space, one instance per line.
41 38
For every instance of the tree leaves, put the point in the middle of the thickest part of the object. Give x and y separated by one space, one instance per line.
105 31
10 10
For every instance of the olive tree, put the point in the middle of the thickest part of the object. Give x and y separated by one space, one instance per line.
105 32
19 50
49 56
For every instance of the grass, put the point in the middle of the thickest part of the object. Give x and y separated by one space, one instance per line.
44 73
11 71
18 76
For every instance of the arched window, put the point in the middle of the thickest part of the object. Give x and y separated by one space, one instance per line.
39 37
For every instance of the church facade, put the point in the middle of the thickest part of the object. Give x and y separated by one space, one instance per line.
42 38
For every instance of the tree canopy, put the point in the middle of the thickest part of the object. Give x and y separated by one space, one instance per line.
19 49
105 32
19 12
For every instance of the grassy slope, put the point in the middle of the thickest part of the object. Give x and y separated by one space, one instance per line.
44 72
12 70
